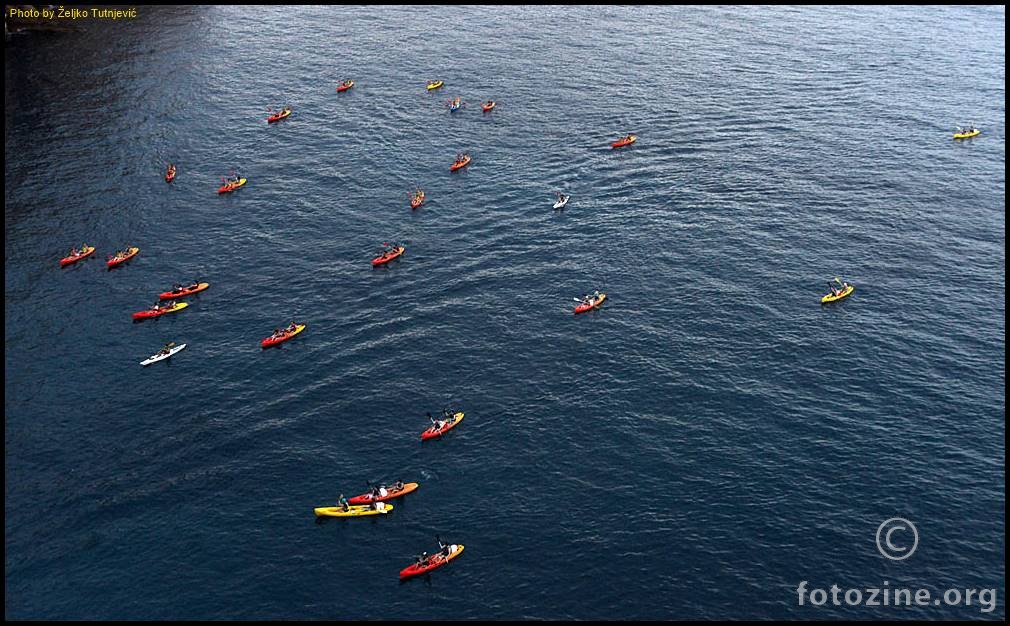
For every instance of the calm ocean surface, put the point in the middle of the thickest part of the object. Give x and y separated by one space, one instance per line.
696 448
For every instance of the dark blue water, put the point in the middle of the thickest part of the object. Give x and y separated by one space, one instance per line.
695 449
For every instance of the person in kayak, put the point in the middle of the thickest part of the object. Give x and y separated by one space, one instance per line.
435 424
342 503
398 485
195 284
422 559
443 549
167 348
378 506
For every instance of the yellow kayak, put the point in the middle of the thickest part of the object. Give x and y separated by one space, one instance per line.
832 297
354 511
435 85
968 134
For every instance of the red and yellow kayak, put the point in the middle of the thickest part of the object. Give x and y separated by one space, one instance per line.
273 341
276 117
232 186
434 562
460 164
368 498
170 174
433 432
131 252
490 104
344 86
625 141
187 291
87 251
582 308
178 306
417 199
382 259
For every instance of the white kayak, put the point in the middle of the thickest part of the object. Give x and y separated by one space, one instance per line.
159 357
562 202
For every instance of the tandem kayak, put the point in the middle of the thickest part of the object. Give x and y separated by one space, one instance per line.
345 85
187 291
417 200
131 252
273 341
435 85
140 315
487 107
386 257
560 204
971 133
353 511
832 297
626 141
170 174
232 186
368 498
582 308
88 251
433 432
276 117
434 561
460 164
161 357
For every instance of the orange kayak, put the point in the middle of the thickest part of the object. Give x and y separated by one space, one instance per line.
382 259
417 200
75 258
460 164
113 262
345 85
626 141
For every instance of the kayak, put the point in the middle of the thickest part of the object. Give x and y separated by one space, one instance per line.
431 433
74 259
435 85
456 104
627 141
160 357
417 200
131 252
488 107
140 315
168 295
582 308
232 186
832 297
460 164
354 511
345 86
366 498
562 202
278 116
266 343
967 134
387 257
435 561
170 174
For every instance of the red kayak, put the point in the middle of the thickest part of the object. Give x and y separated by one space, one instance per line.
140 315
276 117
367 498
386 257
627 141
433 432
170 174
490 105
434 562
417 199
186 291
345 85
458 164
582 308
288 334
75 258
113 262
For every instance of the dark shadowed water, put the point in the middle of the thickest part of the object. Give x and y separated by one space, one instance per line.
696 448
